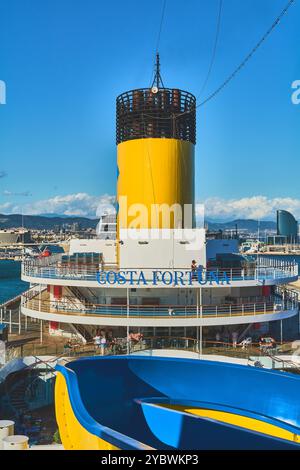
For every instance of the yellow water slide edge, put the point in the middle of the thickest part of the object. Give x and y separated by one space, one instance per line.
73 435
239 421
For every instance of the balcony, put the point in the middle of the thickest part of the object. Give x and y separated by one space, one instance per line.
276 307
64 270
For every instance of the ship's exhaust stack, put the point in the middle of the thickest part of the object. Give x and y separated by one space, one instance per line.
156 135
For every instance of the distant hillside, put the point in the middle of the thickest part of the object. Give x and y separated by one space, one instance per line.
43 222
47 222
247 224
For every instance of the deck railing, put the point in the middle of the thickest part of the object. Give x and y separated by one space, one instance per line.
253 352
275 304
55 269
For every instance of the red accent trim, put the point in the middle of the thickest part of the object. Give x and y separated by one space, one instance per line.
266 291
57 292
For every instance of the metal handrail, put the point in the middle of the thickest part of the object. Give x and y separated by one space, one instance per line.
52 267
92 275
284 362
89 348
289 296
59 307
84 267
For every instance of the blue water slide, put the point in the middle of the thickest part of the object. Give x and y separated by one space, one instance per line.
126 397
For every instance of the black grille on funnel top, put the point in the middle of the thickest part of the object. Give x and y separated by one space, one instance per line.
158 113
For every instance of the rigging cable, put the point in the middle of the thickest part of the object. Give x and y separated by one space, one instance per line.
159 32
249 56
242 64
214 47
161 25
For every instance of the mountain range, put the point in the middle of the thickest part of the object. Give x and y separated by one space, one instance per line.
249 225
48 221
43 222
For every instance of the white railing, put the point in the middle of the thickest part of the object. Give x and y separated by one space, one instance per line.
275 304
43 261
90 273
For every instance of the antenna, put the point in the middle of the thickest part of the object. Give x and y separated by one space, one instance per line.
157 81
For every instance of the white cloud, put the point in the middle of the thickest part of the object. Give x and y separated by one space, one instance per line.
7 207
11 193
85 205
255 207
78 204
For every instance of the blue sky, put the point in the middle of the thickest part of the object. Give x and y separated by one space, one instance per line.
65 61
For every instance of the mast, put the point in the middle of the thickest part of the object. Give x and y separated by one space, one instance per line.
157 81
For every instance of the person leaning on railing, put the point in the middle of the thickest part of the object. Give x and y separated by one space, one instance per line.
112 342
135 338
267 344
68 346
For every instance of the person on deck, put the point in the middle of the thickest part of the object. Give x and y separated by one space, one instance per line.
194 269
234 338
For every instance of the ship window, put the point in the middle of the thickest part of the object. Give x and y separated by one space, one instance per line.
118 301
150 301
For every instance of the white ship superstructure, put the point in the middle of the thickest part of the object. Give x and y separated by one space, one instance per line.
160 278
66 290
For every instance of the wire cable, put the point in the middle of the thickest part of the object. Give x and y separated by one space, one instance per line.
161 25
242 64
249 56
214 48
159 32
